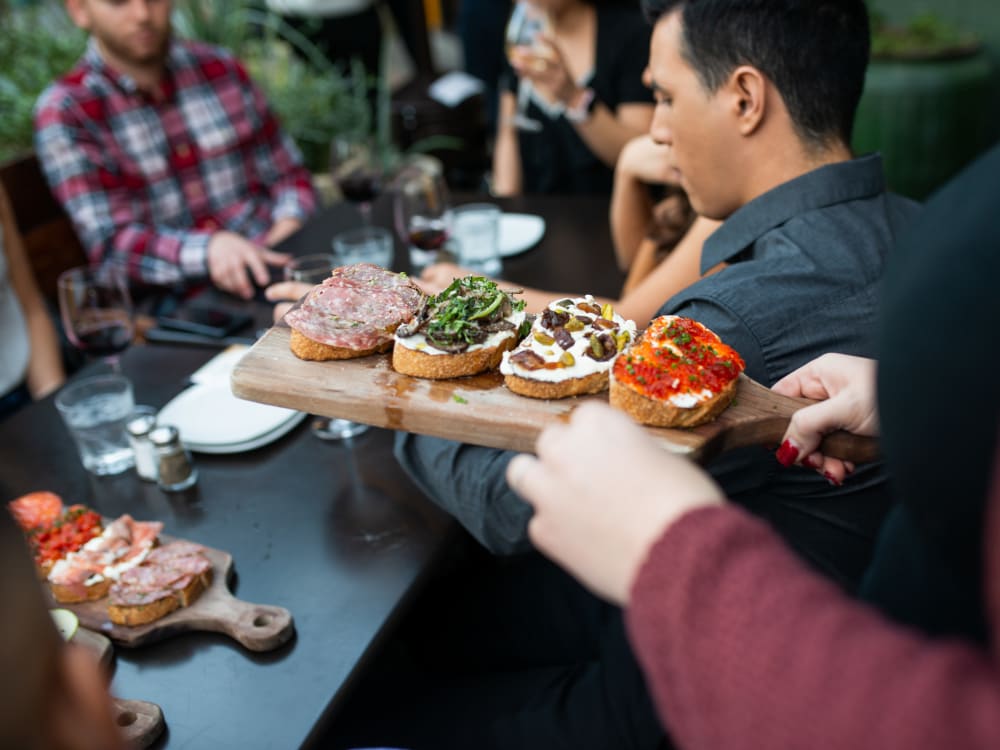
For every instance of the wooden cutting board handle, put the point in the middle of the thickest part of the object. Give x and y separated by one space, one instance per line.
259 627
760 417
141 722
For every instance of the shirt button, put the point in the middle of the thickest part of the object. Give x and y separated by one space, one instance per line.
195 191
183 150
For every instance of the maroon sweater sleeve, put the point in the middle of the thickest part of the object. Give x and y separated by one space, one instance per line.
742 646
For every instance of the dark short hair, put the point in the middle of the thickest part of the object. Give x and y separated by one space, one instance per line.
814 51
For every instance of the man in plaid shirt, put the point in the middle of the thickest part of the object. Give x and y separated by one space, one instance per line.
166 155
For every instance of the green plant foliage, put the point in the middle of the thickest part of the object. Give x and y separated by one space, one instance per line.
926 36
36 45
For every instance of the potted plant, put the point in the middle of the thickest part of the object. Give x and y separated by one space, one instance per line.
925 104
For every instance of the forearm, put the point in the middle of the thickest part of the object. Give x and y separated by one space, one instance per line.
631 211
738 639
45 367
606 134
506 152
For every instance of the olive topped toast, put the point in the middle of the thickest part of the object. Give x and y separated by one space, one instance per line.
463 330
568 351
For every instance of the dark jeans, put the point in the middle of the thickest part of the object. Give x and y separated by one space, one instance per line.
509 654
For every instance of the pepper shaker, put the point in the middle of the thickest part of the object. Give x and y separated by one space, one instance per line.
175 469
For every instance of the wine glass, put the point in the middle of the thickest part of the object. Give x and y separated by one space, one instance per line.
96 311
423 217
355 167
526 23
313 269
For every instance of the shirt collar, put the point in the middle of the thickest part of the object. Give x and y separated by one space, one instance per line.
826 186
95 60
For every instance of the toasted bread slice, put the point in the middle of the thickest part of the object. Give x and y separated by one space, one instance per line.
305 348
162 605
74 594
593 383
439 366
661 413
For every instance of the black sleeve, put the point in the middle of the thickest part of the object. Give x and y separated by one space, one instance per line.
622 56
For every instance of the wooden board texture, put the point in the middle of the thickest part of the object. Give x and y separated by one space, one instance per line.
258 627
480 410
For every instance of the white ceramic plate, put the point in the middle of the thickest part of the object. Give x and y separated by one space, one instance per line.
212 420
519 232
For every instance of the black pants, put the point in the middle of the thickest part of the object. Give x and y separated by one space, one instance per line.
507 654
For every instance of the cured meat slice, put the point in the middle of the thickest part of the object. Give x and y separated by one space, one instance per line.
357 307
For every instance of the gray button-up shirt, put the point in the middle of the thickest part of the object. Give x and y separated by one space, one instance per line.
804 265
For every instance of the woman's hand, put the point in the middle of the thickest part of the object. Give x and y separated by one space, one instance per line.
647 161
603 493
286 294
846 386
545 66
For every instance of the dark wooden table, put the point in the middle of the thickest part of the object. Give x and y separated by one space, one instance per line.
334 532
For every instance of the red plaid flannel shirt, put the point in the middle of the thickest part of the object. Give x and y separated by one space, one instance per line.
148 180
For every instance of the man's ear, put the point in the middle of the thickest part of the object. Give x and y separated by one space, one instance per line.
747 87
77 10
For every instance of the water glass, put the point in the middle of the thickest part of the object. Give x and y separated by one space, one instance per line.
476 229
310 269
368 244
95 411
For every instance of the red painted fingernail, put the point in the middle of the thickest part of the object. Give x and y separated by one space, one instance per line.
811 463
832 479
787 453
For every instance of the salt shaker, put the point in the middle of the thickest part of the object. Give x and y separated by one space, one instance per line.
173 461
138 429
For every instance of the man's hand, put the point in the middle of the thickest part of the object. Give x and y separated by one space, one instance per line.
282 228
234 263
846 386
603 494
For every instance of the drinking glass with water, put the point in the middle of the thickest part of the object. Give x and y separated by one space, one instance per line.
95 411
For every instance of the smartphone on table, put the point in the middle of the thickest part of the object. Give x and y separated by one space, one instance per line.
216 322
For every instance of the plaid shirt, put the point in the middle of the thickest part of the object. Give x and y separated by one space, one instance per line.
148 180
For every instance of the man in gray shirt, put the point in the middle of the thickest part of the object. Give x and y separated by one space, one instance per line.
757 101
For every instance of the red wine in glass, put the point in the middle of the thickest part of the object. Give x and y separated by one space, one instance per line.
426 236
102 337
358 172
96 311
360 186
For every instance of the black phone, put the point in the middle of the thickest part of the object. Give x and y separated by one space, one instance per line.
206 321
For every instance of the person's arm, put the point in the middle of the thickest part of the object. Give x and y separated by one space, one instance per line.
642 162
738 639
606 130
45 366
677 271
506 152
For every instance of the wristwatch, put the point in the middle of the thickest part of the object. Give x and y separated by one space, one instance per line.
581 110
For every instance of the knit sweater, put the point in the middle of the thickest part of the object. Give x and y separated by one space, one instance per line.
742 646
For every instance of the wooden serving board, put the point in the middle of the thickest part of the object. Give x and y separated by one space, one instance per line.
482 411
258 627
141 722
99 645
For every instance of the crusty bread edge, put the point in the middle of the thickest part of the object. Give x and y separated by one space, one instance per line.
68 594
595 382
142 614
657 413
304 347
440 366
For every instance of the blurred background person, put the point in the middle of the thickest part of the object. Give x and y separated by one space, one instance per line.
31 366
54 695
580 84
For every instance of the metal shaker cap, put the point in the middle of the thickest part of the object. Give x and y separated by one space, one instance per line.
164 435
141 426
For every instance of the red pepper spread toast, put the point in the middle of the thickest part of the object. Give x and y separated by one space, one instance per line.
568 351
677 374
52 530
